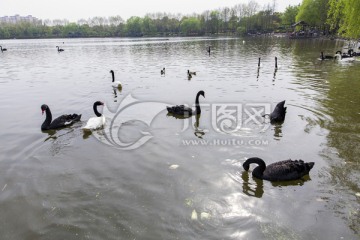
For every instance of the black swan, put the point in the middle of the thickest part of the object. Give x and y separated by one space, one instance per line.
59 49
95 122
278 115
62 121
279 171
3 49
162 71
115 84
186 111
191 73
325 57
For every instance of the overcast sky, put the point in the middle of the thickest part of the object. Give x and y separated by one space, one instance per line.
74 10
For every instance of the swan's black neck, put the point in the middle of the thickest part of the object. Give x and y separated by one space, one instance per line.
322 56
259 170
197 104
96 111
113 76
48 119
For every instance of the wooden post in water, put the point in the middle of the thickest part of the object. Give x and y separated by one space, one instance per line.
276 66
259 62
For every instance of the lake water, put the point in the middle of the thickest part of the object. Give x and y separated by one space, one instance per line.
151 176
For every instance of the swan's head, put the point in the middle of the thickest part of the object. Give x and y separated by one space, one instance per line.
111 71
44 107
202 93
98 103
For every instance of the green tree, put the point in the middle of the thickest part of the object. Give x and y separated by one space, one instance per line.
214 22
149 27
134 27
289 16
313 12
190 26
344 15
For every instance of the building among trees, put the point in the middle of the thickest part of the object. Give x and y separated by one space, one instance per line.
17 18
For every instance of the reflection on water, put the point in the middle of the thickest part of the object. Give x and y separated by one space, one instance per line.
67 185
198 131
249 189
277 131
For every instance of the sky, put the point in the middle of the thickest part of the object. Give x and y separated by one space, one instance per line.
74 10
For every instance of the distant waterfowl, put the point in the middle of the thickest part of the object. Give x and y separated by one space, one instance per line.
326 57
62 121
115 84
95 122
186 111
162 71
3 49
191 73
278 115
279 171
189 76
344 57
59 49
352 53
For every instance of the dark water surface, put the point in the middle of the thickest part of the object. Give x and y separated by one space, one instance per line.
151 176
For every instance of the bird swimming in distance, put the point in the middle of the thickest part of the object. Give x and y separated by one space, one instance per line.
191 73
115 84
182 110
326 57
59 49
95 122
62 121
162 71
279 171
3 49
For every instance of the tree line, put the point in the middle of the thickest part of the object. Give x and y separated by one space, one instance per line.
335 16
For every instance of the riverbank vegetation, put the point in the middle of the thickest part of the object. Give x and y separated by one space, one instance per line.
335 17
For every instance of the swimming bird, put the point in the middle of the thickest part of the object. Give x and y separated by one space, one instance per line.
115 84
60 49
344 57
325 57
62 121
182 110
279 171
278 115
191 73
3 49
162 71
95 122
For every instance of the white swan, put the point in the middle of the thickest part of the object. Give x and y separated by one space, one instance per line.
95 122
115 84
